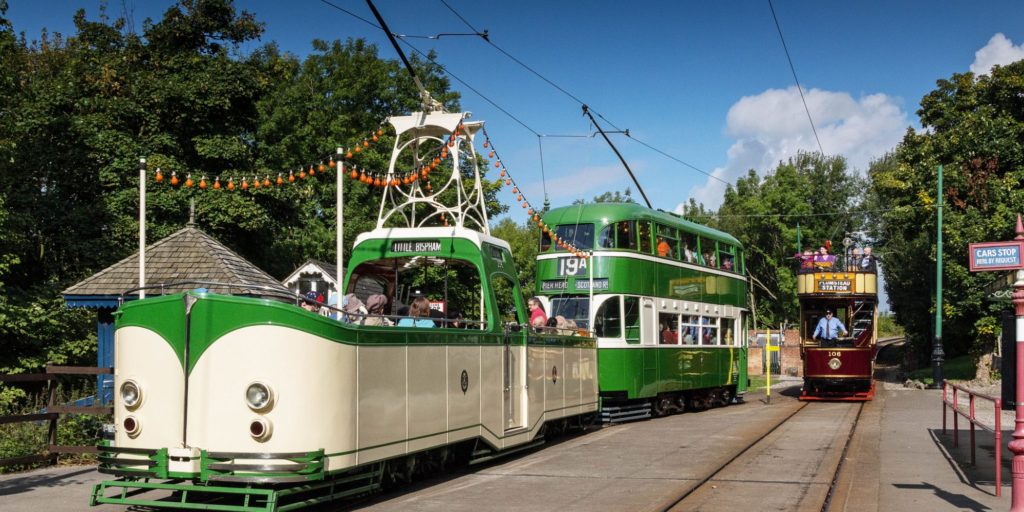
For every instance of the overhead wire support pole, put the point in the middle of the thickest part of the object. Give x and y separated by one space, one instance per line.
586 110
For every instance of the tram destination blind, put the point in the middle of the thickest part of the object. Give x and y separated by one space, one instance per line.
416 246
834 285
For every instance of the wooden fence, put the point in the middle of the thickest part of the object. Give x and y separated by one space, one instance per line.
53 411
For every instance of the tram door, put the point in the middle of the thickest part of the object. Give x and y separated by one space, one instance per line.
513 364
513 382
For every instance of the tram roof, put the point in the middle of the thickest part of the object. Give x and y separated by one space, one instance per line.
474 236
612 212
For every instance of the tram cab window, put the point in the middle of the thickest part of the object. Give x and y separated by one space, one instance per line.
708 331
449 284
668 327
631 315
608 320
576 309
580 236
668 242
690 328
643 229
688 247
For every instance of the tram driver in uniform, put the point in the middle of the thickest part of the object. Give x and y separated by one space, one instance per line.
829 329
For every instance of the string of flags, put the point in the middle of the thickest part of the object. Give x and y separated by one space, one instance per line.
507 180
253 182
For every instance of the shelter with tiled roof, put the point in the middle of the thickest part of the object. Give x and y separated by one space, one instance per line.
188 255
316 276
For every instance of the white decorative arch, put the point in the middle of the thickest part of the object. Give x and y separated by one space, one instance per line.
415 132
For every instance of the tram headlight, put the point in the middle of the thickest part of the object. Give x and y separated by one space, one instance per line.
259 396
131 394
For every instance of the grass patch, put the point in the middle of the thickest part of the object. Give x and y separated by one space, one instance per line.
757 383
957 368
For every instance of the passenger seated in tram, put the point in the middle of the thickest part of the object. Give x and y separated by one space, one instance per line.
309 303
664 249
828 330
668 336
854 263
727 262
538 318
419 314
456 320
375 305
353 311
688 254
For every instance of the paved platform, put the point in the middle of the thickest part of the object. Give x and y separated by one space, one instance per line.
898 460
901 460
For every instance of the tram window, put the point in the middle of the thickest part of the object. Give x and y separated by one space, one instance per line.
450 284
625 235
687 247
708 331
668 242
644 234
668 326
727 257
631 315
728 334
545 241
608 321
606 240
708 253
505 300
576 309
690 330
580 236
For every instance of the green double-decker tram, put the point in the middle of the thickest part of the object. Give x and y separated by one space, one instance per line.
665 297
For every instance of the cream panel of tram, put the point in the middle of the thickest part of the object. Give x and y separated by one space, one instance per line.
427 397
309 402
463 406
143 356
383 400
860 282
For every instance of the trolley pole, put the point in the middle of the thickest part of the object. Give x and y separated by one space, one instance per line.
937 353
1017 445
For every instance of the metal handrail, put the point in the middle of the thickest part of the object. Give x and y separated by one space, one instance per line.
973 420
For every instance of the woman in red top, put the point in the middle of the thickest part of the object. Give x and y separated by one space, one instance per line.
537 316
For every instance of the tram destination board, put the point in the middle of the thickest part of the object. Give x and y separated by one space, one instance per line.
997 256
833 285
416 246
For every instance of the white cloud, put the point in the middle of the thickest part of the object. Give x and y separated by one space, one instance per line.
773 126
999 50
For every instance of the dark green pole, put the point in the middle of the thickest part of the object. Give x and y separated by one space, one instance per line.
798 248
937 354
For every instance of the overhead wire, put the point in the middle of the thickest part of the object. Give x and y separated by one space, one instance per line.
576 98
795 79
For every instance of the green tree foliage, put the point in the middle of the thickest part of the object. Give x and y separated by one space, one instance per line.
974 127
762 212
525 242
625 196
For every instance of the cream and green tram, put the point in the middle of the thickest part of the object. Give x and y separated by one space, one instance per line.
253 403
665 298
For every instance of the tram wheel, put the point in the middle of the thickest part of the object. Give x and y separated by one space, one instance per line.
662 406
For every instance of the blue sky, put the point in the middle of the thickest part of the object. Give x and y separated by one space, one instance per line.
707 83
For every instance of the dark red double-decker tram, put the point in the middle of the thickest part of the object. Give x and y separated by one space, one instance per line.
838 350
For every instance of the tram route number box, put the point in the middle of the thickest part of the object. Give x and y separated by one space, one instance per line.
987 256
